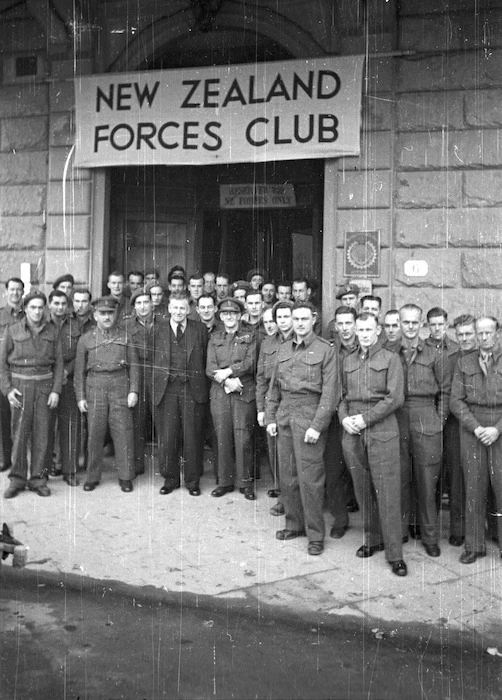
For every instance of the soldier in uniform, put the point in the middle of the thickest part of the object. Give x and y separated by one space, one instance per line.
299 406
372 391
427 385
340 495
476 400
11 313
278 323
65 418
107 388
141 332
116 287
392 329
348 295
231 361
31 371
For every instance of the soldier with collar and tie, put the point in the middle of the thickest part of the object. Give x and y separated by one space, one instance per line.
11 313
427 386
31 372
278 323
340 495
231 362
141 332
180 394
107 387
65 418
372 391
300 402
476 400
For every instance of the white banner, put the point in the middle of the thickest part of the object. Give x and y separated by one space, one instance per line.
308 108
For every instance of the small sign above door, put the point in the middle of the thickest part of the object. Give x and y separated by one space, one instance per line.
257 196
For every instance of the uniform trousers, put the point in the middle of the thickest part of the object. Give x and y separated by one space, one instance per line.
5 433
233 421
482 466
455 476
301 468
64 421
30 426
107 406
337 477
179 423
373 459
141 419
273 461
421 448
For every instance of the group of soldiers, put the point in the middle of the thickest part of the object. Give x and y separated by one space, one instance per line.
376 415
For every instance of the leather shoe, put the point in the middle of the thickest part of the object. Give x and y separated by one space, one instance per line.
399 567
369 550
432 549
42 490
90 485
456 541
273 493
316 547
221 491
468 557
55 471
289 534
71 480
248 492
278 509
195 491
338 532
167 488
12 491
125 485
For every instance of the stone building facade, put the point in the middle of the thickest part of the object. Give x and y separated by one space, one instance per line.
429 174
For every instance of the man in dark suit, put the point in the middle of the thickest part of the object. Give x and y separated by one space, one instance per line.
180 392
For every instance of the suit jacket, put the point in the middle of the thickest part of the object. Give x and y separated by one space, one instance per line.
196 347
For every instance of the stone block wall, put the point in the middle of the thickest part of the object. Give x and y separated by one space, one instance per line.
433 181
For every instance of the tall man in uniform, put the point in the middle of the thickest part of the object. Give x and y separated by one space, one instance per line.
66 415
107 388
11 313
299 407
476 400
427 385
180 394
340 495
281 314
116 287
372 391
31 371
141 329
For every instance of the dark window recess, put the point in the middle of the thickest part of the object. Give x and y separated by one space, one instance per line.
26 65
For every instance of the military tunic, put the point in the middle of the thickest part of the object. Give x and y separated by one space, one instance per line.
373 386
233 414
8 316
302 395
31 362
476 400
106 371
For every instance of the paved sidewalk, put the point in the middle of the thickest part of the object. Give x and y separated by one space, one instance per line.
226 549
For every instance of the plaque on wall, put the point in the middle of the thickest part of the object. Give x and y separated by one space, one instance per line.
362 254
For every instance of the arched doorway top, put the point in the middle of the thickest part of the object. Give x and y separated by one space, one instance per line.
271 26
